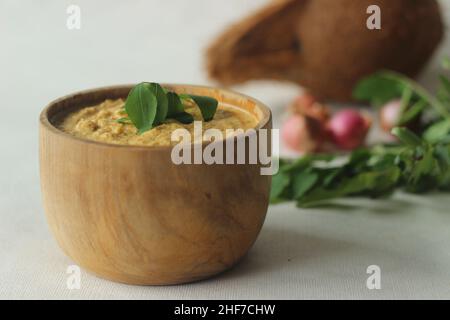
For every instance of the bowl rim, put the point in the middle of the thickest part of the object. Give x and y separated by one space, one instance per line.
45 121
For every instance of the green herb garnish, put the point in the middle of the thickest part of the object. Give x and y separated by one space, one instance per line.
149 105
141 107
175 106
162 102
124 120
419 162
207 105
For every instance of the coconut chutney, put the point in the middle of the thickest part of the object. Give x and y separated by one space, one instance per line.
99 123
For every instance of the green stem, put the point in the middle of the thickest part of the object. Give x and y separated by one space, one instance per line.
419 90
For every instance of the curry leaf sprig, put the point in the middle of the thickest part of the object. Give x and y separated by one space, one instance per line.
418 163
414 164
149 105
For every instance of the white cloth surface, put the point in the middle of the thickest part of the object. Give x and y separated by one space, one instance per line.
300 254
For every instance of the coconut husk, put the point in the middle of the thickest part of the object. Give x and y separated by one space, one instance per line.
325 45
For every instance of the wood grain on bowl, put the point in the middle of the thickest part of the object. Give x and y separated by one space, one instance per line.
129 214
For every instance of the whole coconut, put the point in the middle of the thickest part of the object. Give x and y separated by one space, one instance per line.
325 45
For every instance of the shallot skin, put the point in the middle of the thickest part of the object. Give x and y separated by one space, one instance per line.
348 129
306 104
390 114
303 134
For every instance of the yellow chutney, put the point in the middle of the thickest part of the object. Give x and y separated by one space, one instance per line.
99 123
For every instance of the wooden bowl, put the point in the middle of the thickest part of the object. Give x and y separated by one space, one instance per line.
128 214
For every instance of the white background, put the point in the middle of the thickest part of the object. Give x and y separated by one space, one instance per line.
299 254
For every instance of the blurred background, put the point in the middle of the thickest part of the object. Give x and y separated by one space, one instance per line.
119 42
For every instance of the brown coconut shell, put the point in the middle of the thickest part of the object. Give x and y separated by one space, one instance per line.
325 45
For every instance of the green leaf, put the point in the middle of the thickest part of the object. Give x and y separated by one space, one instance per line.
444 91
359 156
370 182
407 136
304 162
446 63
161 97
378 89
303 182
149 104
423 174
184 96
415 163
175 106
412 112
207 105
279 183
141 106
144 129
419 91
124 120
298 164
437 131
406 99
386 182
445 82
184 117
330 176
442 153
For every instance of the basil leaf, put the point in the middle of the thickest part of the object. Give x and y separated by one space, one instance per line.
162 108
175 106
184 117
207 105
141 106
